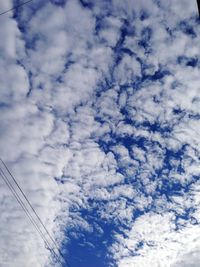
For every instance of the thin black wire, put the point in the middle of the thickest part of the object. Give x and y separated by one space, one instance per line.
16 195
198 5
15 7
34 211
53 240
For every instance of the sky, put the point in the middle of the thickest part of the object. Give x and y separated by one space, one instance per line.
100 125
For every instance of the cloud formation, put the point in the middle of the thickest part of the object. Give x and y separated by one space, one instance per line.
100 125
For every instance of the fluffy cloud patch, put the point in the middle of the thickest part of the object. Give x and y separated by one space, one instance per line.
100 125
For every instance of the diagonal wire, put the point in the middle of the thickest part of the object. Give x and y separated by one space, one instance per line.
34 211
198 5
29 204
19 200
15 7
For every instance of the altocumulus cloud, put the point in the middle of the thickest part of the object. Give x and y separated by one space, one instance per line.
99 105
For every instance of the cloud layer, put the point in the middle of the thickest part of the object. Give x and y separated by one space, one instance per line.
99 120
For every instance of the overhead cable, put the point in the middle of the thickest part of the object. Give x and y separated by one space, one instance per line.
32 220
15 7
33 209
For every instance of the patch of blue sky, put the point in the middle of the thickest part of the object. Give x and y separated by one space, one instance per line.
188 29
89 248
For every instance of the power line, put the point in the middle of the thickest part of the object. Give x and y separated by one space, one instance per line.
15 7
13 189
32 220
33 209
16 195
19 200
198 4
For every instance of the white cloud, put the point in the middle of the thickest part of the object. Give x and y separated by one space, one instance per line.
64 96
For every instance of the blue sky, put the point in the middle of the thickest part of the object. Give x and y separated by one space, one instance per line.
99 107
